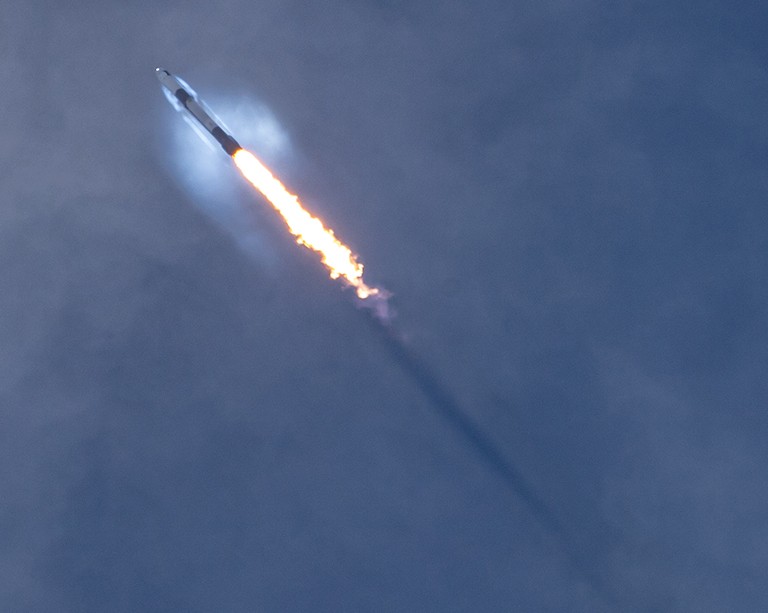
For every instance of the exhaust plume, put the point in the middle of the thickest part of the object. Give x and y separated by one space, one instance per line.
309 230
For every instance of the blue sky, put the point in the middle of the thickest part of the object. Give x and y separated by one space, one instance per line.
567 200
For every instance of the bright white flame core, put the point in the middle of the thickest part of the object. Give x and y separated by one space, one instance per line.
308 230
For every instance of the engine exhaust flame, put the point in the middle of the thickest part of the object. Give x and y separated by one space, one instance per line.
308 230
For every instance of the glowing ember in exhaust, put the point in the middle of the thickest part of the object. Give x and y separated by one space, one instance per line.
308 230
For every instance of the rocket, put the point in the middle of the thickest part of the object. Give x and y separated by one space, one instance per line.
185 100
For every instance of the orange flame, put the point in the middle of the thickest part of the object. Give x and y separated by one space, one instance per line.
308 230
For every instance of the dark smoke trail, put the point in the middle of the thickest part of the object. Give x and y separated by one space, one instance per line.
447 407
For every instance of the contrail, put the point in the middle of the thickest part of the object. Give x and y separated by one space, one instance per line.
448 408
